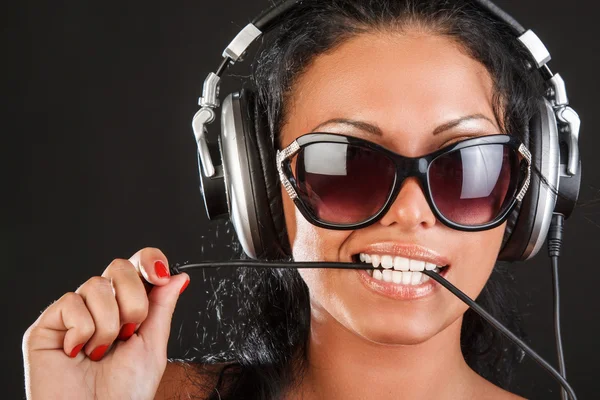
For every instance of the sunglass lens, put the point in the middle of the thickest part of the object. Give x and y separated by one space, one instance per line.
474 185
342 183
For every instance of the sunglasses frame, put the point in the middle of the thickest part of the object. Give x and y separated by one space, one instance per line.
417 167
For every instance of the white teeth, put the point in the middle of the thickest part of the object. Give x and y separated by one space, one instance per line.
417 265
397 262
401 263
406 278
375 259
416 278
387 275
387 262
405 271
397 277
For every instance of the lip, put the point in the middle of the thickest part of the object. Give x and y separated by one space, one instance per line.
399 291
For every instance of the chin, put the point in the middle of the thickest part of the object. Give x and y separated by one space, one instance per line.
398 330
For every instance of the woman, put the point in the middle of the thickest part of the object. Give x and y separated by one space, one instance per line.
413 77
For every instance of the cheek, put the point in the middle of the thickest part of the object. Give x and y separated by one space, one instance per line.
477 259
309 242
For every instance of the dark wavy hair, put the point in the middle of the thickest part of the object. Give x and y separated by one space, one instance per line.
267 348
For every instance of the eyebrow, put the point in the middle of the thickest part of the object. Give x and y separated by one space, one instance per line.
375 130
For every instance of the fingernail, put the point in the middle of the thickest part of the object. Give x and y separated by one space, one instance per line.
126 331
185 285
98 352
161 269
76 350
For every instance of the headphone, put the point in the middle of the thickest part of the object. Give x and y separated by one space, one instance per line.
245 185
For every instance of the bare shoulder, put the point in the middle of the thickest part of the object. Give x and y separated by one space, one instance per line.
489 391
502 394
184 380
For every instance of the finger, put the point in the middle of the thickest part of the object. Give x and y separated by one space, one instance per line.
66 323
132 299
99 297
162 300
152 264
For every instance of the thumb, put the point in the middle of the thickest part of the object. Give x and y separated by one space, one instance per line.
161 303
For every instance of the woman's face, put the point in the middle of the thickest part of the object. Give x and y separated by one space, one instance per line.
413 88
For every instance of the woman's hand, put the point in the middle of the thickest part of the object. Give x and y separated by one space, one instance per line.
108 339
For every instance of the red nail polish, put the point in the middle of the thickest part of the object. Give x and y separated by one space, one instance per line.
185 285
76 350
126 331
98 352
161 269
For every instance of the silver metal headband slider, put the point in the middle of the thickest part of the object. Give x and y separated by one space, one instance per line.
538 51
241 42
568 118
210 91
203 117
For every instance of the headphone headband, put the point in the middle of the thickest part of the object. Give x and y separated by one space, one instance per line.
277 13
271 18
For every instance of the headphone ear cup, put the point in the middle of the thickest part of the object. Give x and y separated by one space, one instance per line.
506 253
527 226
274 228
250 178
265 180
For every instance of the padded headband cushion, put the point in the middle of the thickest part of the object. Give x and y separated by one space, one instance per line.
264 180
521 222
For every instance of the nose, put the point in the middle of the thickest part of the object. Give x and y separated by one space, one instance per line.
410 208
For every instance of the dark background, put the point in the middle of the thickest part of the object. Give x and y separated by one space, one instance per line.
99 161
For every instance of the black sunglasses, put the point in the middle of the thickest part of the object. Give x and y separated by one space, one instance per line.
343 182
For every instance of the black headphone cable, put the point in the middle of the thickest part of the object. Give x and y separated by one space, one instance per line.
496 324
554 244
463 297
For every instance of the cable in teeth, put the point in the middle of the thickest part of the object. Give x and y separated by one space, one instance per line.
398 269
